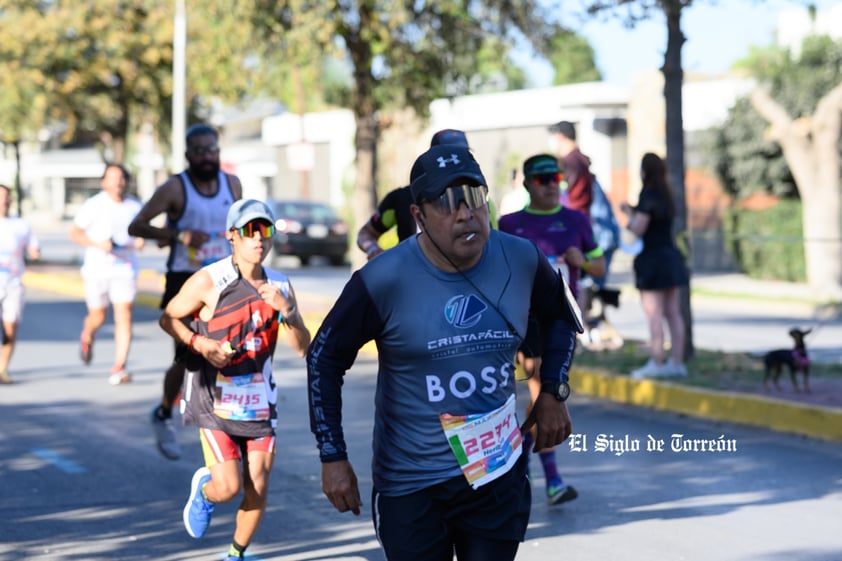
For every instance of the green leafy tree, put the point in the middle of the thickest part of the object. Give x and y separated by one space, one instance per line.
793 123
403 54
95 63
572 59
746 161
100 69
23 106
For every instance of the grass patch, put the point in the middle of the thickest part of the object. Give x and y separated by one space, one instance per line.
707 369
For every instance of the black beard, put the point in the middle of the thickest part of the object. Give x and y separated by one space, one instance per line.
206 171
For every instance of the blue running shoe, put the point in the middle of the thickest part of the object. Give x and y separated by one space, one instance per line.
198 510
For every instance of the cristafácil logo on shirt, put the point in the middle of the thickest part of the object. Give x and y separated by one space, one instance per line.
464 311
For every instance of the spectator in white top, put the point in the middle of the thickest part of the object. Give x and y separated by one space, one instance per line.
110 267
16 237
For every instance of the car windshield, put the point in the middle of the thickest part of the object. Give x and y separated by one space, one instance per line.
311 212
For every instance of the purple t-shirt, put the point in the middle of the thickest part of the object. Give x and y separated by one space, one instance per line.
553 232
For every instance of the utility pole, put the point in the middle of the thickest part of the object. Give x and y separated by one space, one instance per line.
18 190
179 111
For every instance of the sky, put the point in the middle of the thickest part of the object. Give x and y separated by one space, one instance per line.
718 32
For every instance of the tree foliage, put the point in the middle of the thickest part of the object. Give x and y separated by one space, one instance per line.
403 55
23 103
101 68
747 160
798 79
572 58
800 100
96 63
98 70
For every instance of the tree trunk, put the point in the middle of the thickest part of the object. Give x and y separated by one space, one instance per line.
365 108
673 82
809 145
821 206
365 142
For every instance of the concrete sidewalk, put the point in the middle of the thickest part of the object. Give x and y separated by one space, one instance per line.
725 285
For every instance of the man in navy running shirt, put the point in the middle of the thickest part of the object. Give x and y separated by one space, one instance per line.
448 309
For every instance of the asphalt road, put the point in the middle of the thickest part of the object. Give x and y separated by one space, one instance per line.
80 477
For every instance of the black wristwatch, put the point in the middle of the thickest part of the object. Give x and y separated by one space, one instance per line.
558 389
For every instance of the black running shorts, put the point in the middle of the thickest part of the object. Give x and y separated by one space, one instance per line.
429 525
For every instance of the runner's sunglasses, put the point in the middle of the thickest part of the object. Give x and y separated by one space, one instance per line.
546 178
203 150
472 195
248 231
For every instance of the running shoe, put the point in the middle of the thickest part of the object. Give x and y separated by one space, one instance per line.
557 494
4 377
86 351
198 510
233 558
118 376
675 369
650 370
165 436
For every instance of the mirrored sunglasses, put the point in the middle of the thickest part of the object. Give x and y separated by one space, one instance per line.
472 195
546 178
265 230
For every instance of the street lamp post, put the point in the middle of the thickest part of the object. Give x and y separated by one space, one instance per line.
179 113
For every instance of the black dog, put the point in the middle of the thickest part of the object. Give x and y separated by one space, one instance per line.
796 359
599 333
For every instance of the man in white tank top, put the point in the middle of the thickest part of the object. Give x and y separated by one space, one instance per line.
195 203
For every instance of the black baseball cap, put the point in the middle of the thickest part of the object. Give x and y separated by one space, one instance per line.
450 136
437 168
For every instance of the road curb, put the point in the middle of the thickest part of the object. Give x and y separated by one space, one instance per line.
70 285
783 416
779 415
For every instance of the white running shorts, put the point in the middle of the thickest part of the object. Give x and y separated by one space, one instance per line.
99 291
11 302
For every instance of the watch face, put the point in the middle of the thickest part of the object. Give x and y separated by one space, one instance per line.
559 390
563 391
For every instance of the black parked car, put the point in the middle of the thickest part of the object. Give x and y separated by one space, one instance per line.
306 229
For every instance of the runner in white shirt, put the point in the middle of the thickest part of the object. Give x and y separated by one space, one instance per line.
15 238
110 266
